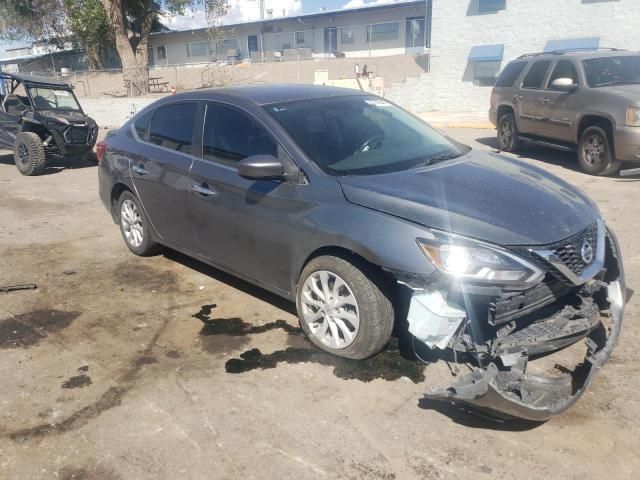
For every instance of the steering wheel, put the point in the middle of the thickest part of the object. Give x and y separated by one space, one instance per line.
373 141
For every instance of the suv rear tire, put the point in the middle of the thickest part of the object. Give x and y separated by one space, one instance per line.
508 133
342 307
595 154
28 154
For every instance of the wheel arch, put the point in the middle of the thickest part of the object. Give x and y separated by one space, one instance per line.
596 120
116 191
504 109
359 259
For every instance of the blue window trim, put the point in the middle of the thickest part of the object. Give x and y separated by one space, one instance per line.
486 53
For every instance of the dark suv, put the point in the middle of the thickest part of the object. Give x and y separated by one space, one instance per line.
40 119
587 101
368 218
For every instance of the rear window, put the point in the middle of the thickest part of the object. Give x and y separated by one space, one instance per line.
536 75
172 127
510 74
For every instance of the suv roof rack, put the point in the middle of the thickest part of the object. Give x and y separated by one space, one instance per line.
571 50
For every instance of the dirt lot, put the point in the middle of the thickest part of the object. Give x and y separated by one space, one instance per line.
119 367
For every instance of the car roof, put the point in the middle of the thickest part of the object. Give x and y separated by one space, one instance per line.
579 54
34 80
270 94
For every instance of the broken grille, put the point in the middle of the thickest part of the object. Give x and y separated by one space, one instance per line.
569 251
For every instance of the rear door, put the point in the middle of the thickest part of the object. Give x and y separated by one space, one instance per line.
161 173
557 110
245 225
526 100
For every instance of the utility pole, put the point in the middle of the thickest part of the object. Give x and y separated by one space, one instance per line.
261 7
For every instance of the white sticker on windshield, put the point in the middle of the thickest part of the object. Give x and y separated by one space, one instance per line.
61 93
377 102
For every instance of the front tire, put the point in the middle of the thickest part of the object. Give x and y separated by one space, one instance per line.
595 154
28 154
342 307
135 226
508 133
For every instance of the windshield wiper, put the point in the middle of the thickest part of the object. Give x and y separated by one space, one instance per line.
616 82
439 157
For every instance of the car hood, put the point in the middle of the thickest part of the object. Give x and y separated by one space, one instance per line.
70 117
481 195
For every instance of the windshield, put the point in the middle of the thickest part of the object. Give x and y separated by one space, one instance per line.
45 98
605 71
362 135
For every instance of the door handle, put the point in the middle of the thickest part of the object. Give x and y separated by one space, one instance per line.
544 100
517 98
140 170
203 189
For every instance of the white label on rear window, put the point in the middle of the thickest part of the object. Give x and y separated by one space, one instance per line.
60 93
377 102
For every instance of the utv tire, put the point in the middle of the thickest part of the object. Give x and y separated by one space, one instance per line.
28 154
135 226
343 308
508 133
595 154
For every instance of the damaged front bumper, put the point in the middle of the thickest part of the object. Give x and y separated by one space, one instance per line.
514 393
507 333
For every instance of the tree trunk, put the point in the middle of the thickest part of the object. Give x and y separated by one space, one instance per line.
134 60
95 57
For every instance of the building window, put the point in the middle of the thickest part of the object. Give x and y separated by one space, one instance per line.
489 6
347 35
198 49
486 73
383 31
299 38
162 52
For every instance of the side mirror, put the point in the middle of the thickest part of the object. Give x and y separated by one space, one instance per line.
563 85
261 167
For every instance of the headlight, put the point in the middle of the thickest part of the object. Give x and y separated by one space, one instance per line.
633 117
470 259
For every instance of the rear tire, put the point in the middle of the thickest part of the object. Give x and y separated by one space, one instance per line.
595 154
135 226
342 307
29 155
508 133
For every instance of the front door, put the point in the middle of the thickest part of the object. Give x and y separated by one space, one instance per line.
557 111
161 172
241 224
525 100
8 129
415 38
330 40
252 44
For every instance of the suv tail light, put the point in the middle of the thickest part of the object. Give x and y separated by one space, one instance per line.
101 148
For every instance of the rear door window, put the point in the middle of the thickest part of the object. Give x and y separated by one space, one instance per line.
536 74
141 124
510 74
172 127
231 135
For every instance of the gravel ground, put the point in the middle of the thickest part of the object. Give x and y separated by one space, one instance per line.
120 367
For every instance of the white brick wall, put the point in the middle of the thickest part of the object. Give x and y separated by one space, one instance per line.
524 27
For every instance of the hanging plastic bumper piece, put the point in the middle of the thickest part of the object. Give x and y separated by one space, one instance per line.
514 393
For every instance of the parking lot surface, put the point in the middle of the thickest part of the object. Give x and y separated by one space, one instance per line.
119 367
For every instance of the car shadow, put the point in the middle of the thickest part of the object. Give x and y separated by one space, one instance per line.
231 281
540 154
56 165
528 151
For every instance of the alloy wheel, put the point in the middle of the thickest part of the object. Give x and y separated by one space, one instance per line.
330 309
594 150
506 132
131 223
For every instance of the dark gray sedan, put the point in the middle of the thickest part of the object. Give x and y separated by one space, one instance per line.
353 208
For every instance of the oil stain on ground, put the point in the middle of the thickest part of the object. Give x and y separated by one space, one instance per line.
387 365
79 381
87 473
221 335
27 329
